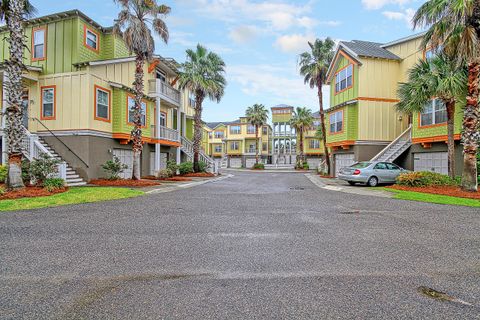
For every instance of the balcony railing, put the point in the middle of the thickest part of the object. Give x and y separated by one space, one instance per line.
284 134
166 134
165 91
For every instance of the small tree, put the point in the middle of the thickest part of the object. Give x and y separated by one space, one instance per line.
257 116
114 168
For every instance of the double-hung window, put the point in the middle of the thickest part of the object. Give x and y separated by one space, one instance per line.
91 39
314 144
235 129
265 130
218 149
131 112
434 112
218 134
102 104
250 129
336 122
234 145
163 119
344 79
48 103
38 50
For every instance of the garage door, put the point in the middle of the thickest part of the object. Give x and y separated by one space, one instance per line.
235 162
343 160
250 162
163 162
126 157
313 163
431 161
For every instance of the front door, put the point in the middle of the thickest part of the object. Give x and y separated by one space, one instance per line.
25 109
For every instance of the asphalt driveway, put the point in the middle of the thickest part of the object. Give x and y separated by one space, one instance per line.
254 246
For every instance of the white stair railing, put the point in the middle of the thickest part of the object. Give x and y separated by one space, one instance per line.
405 136
33 149
187 147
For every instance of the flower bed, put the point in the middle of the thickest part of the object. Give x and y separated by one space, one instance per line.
124 183
452 191
31 192
176 179
326 177
199 175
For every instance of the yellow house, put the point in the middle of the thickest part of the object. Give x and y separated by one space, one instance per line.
235 142
78 98
362 121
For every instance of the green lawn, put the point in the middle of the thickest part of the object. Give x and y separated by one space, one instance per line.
433 198
73 196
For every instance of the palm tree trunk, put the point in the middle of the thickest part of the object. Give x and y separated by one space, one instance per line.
14 126
136 133
301 148
451 140
257 142
197 133
322 123
470 134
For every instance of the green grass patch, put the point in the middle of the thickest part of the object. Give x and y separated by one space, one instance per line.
433 198
75 195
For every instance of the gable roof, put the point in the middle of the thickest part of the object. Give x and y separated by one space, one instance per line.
213 125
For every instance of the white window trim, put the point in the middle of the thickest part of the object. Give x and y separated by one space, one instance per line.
96 39
107 105
144 111
337 120
42 30
434 103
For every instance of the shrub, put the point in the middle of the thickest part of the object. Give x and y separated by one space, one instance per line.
43 168
258 166
165 174
52 184
425 179
172 166
26 172
114 168
202 166
3 173
185 167
306 166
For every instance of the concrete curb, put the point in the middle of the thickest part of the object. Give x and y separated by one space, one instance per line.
346 189
187 185
265 171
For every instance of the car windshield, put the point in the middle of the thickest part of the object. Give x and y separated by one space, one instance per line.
360 165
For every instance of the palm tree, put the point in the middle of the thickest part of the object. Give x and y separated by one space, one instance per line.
455 26
133 24
438 77
314 67
257 116
14 13
302 120
203 74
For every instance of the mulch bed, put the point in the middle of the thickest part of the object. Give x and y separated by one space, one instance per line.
124 183
199 175
452 191
326 177
30 192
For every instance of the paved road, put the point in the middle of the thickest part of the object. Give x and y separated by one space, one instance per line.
248 247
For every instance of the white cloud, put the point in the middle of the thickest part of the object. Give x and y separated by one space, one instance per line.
406 16
294 43
282 84
243 34
378 4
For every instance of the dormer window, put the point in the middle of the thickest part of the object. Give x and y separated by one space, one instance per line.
344 79
91 39
161 75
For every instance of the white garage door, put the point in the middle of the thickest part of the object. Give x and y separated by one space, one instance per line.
313 163
431 161
343 160
163 162
235 162
126 157
250 162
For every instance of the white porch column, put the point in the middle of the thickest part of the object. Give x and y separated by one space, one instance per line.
179 122
157 135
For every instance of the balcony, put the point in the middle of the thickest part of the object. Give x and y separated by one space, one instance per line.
284 134
166 134
158 88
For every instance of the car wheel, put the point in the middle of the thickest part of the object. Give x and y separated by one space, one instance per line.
372 182
351 183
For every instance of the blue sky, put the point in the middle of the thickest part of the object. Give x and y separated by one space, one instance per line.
260 40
